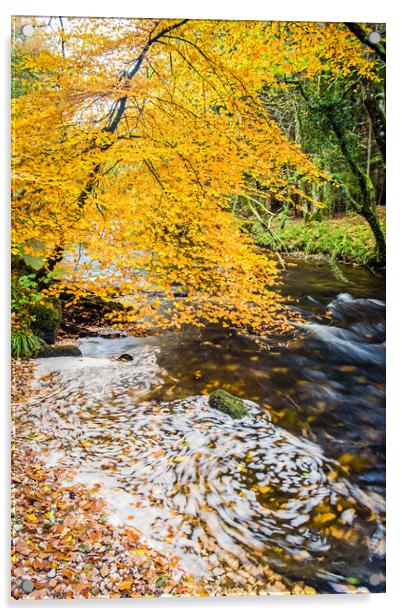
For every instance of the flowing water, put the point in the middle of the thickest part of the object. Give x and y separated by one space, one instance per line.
297 486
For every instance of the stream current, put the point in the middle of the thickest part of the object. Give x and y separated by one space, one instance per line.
297 486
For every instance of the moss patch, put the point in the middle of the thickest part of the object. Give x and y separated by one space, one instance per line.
227 403
62 350
47 319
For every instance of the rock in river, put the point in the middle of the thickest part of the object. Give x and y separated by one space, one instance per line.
62 350
125 357
227 403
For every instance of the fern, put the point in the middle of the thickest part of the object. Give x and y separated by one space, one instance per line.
24 344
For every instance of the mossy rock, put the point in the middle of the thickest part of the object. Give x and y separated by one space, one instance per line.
227 403
47 320
59 350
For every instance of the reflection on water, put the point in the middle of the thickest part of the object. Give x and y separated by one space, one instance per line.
298 485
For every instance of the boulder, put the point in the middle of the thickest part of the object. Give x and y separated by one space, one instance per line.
59 350
227 403
125 357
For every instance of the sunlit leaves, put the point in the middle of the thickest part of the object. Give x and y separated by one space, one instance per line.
142 211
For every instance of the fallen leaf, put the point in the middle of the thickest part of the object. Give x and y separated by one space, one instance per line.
126 584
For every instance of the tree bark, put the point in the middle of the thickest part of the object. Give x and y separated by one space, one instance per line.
374 223
366 208
363 38
377 117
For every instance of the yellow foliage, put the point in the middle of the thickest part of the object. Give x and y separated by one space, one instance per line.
131 142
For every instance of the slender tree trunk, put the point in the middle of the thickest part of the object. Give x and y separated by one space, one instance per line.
369 144
377 117
367 207
373 221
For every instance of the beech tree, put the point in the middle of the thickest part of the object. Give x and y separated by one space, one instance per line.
130 139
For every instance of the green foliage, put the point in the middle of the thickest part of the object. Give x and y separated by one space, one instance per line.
337 121
19 77
25 295
34 319
24 343
345 239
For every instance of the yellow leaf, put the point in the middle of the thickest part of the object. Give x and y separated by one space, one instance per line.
31 517
125 585
323 518
180 458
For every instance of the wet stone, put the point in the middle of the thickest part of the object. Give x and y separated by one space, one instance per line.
62 350
227 403
27 586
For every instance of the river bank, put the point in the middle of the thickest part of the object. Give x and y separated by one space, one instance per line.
345 238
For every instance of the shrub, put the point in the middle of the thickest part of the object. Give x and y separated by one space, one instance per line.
24 343
31 321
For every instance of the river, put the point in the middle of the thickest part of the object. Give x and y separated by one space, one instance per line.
298 486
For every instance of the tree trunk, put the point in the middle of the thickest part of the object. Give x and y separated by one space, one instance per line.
377 118
371 217
367 207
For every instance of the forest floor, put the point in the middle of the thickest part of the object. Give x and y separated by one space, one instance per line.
345 238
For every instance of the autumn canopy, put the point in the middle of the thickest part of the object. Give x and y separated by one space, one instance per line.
133 138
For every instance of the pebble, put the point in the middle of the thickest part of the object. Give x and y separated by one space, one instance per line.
27 586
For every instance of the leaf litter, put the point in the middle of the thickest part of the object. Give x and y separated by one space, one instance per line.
62 545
